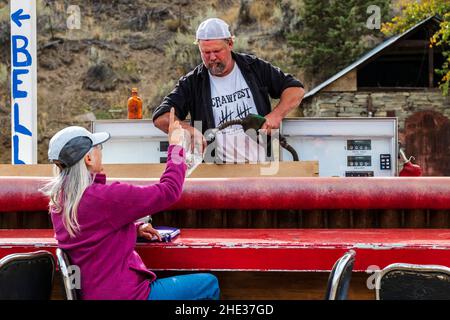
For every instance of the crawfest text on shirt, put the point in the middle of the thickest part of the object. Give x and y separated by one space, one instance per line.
231 99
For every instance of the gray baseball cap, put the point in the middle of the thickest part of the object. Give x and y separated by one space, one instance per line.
71 144
213 29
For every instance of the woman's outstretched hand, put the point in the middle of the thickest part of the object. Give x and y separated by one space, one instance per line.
176 132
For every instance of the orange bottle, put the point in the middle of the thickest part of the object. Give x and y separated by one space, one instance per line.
134 105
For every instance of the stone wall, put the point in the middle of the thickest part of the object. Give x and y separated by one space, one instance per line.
400 104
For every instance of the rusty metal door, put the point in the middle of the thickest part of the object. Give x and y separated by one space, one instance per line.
427 138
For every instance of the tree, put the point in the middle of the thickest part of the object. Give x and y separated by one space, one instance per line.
333 35
412 12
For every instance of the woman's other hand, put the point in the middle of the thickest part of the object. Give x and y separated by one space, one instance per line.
147 231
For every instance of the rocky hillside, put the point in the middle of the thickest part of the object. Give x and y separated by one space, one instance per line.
87 74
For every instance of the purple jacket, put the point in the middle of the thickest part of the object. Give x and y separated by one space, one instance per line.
104 248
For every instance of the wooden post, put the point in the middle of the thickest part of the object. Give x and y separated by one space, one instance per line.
212 219
300 218
287 219
261 219
314 219
416 218
339 219
35 220
237 219
364 219
9 220
430 67
390 219
439 219
189 219
166 218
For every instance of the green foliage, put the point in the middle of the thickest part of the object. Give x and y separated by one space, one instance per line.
332 35
412 13
442 38
103 115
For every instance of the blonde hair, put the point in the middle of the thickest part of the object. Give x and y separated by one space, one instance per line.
65 191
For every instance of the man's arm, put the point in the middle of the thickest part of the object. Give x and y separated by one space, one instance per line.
289 100
178 98
281 86
162 122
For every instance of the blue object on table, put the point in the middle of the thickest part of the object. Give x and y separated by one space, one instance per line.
167 234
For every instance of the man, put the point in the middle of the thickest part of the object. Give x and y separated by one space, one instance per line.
228 86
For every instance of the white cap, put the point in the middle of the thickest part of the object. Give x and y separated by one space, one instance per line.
212 29
71 144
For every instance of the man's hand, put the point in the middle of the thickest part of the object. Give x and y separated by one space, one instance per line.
273 121
290 99
148 232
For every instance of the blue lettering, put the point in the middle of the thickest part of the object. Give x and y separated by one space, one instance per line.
17 126
15 79
16 150
23 49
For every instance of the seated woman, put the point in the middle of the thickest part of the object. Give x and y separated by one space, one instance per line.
95 222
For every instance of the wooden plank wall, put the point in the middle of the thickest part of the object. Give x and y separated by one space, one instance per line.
265 219
305 219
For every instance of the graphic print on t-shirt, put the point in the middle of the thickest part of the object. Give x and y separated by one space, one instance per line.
231 99
241 107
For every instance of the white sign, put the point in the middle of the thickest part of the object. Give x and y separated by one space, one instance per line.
23 82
